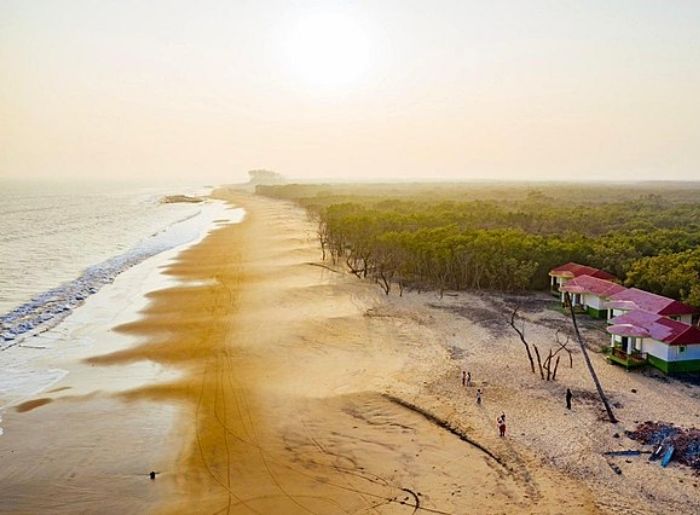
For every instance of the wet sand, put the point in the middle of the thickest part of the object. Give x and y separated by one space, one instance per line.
280 401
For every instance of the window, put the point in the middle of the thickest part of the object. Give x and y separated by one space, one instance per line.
681 348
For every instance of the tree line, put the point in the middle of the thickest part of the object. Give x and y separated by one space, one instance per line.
412 242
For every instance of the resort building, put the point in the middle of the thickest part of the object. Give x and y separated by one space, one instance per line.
630 299
644 328
564 273
590 294
639 338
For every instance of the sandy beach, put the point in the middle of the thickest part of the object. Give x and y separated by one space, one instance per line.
250 250
264 381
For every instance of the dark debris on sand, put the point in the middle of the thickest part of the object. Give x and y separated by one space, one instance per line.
686 441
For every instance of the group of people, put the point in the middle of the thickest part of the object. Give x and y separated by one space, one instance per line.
501 421
466 382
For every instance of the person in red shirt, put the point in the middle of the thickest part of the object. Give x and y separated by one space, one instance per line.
502 425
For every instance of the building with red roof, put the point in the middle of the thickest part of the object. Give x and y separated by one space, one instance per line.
564 273
641 337
631 299
645 328
590 294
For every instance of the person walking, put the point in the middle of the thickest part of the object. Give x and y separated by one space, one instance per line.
469 378
464 378
569 396
502 425
478 396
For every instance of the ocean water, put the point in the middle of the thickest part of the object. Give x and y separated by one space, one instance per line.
60 242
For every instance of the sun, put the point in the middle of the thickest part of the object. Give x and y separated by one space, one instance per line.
328 50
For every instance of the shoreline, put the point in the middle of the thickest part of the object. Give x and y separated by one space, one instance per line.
47 309
79 404
50 341
293 388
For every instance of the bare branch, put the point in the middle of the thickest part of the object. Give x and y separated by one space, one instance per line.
562 346
521 335
539 362
556 367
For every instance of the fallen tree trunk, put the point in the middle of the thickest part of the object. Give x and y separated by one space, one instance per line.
462 435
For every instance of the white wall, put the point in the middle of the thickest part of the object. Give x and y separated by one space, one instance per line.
688 319
615 313
655 348
691 352
593 301
665 352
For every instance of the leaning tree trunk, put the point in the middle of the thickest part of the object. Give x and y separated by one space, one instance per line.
599 387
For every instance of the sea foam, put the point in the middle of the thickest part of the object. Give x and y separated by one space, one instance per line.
47 309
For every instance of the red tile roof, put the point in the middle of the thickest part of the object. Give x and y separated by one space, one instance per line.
653 303
661 328
588 284
575 270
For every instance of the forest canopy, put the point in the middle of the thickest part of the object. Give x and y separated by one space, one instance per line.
507 237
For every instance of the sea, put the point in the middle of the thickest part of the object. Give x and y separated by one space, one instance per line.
60 242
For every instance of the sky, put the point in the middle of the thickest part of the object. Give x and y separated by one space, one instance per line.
380 90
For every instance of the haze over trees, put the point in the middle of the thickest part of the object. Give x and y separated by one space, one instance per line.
265 177
498 237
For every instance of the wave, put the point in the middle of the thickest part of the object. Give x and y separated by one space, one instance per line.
46 310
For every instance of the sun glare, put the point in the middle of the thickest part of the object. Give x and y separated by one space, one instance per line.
328 50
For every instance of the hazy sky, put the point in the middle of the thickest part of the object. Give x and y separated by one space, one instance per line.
378 89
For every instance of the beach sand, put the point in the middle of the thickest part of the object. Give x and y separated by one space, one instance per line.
296 388
284 374
474 328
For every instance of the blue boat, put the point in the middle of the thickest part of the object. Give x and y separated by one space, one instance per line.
667 455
